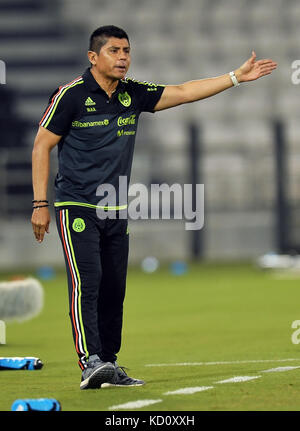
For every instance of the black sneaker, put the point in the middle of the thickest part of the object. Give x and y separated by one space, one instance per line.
96 373
121 379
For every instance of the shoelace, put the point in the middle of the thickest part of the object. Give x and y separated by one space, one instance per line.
123 369
120 373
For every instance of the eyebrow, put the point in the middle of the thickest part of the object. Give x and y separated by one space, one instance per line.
118 47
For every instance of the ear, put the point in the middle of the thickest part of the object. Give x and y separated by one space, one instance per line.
92 56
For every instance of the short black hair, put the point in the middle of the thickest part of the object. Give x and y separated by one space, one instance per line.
99 37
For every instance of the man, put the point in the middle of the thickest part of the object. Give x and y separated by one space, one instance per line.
93 120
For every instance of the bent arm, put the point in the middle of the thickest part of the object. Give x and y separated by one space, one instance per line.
174 95
43 144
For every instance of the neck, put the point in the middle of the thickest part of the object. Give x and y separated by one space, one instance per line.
107 84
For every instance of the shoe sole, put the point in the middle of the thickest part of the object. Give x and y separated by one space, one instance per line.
101 375
109 385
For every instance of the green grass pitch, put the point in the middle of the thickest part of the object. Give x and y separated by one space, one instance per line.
213 313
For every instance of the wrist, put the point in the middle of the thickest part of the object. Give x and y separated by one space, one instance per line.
238 73
40 207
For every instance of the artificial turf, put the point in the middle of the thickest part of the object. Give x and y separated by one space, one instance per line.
211 313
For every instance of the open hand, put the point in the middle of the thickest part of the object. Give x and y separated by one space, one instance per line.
253 69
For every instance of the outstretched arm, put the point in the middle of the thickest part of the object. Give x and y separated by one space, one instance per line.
174 95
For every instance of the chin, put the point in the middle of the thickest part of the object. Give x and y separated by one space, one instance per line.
121 75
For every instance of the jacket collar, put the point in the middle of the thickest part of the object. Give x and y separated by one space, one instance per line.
93 85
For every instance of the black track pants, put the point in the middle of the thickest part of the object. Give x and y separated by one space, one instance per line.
96 257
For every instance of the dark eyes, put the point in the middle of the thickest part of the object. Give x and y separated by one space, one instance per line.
113 50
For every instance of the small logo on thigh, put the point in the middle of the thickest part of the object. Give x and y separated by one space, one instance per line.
78 225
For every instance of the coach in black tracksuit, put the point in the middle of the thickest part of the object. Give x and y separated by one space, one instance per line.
93 119
97 148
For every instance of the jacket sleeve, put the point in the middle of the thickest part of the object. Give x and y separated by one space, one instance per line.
60 111
148 94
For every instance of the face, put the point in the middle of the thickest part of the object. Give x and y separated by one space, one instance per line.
113 60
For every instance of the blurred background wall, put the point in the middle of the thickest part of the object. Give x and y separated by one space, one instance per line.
44 44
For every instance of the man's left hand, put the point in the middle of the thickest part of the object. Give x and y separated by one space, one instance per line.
252 69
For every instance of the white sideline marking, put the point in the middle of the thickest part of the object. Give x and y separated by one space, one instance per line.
238 379
191 364
279 369
134 404
187 391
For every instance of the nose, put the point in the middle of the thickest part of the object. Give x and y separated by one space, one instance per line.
123 55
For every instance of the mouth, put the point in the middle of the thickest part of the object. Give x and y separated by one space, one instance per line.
121 68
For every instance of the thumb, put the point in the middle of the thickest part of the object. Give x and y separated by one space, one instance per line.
253 56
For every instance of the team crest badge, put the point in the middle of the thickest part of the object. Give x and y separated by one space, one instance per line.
125 99
78 225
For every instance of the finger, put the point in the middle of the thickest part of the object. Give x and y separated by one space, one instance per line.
253 57
47 227
265 61
39 233
266 72
267 69
35 229
37 236
268 66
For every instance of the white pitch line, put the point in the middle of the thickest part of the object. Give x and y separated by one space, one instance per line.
279 369
191 364
239 379
134 404
188 391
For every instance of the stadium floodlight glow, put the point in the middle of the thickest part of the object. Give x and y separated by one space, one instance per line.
2 72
